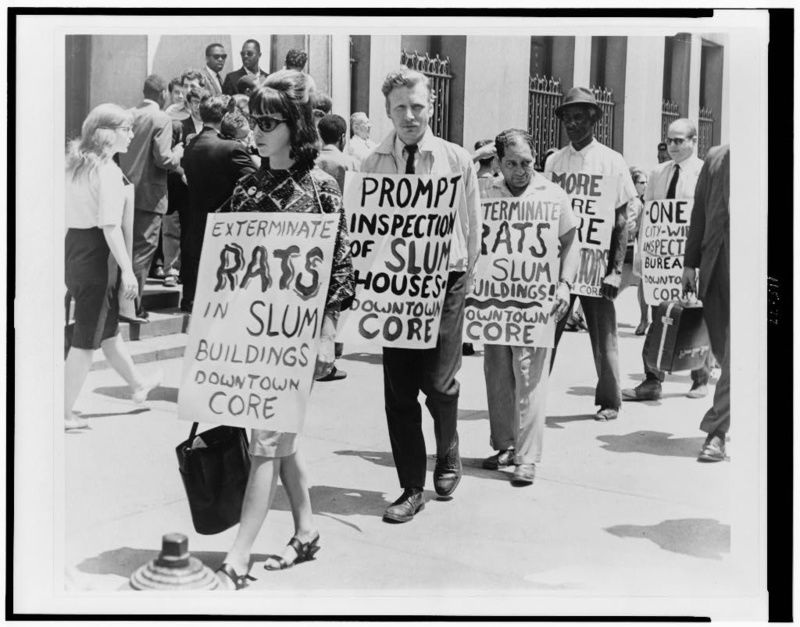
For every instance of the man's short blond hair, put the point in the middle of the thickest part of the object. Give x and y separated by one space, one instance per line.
405 77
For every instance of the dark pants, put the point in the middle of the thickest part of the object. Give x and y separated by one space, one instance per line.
717 311
699 376
146 228
407 371
601 318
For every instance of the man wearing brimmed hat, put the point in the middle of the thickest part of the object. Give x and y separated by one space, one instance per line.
579 112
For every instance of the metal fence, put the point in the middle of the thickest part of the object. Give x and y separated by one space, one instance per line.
670 111
438 71
604 129
705 131
544 96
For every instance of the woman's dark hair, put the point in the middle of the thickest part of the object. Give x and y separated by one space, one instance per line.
289 94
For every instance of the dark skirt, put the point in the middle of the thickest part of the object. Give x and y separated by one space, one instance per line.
92 278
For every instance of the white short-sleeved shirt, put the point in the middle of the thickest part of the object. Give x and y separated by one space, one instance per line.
538 185
595 158
96 200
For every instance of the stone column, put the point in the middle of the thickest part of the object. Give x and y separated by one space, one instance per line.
384 56
693 111
340 75
583 61
643 88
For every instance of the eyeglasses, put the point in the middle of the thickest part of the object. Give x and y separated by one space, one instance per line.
266 122
678 141
249 53
219 56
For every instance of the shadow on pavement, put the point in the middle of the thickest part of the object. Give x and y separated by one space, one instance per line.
111 414
369 358
652 443
337 501
473 414
125 560
555 422
581 390
699 537
162 393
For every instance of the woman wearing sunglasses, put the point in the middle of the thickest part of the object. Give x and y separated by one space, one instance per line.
286 139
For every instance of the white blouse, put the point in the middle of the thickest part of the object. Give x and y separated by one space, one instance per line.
97 200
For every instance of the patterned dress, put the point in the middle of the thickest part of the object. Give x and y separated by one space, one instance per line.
301 190
298 190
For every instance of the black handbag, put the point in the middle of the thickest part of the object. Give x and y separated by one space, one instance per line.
215 477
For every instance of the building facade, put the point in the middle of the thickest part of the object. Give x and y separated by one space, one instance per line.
483 84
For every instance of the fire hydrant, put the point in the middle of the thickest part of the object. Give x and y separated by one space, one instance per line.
174 569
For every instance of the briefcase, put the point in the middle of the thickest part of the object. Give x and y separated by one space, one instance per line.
215 476
678 337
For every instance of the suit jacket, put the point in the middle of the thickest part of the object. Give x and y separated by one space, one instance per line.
149 157
214 87
335 163
229 85
709 231
212 165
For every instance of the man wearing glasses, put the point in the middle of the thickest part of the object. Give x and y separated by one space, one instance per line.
675 178
215 61
251 53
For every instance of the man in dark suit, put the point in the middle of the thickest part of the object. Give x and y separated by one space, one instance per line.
212 166
251 53
708 248
150 156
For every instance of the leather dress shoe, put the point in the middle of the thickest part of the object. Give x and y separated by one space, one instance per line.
647 390
524 474
403 509
699 390
334 375
447 473
499 460
605 414
713 448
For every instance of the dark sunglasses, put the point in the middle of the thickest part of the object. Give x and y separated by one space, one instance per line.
219 56
266 122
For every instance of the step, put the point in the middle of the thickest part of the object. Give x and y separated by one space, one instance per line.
162 322
156 296
148 350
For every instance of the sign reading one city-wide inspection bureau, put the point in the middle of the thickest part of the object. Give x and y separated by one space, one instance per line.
592 197
516 273
257 314
401 230
662 242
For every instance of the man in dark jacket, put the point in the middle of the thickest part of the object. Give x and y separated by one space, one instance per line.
212 166
251 53
150 156
708 248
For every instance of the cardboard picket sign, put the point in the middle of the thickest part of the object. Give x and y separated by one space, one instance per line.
254 334
592 197
517 272
401 231
662 242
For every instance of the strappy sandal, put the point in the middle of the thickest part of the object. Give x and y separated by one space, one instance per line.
305 552
240 581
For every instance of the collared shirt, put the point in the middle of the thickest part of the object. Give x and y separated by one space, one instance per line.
257 73
335 163
659 180
539 185
437 156
359 148
595 158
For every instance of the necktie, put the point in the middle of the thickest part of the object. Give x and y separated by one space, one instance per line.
219 79
674 182
411 150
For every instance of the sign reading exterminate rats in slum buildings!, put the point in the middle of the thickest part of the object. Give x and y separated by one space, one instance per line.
254 334
592 197
516 273
401 229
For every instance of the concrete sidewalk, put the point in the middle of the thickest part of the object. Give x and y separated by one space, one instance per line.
619 508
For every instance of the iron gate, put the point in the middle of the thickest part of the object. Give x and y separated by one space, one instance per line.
438 72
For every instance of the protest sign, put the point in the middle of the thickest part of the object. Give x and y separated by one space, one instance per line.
516 273
592 197
401 230
253 338
662 241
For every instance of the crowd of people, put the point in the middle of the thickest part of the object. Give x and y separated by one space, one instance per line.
199 144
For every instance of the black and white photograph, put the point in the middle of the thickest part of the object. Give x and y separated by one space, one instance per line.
390 314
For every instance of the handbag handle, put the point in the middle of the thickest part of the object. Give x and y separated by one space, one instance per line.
193 432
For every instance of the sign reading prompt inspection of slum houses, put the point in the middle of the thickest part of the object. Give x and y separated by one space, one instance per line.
516 273
257 314
662 241
592 197
401 231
